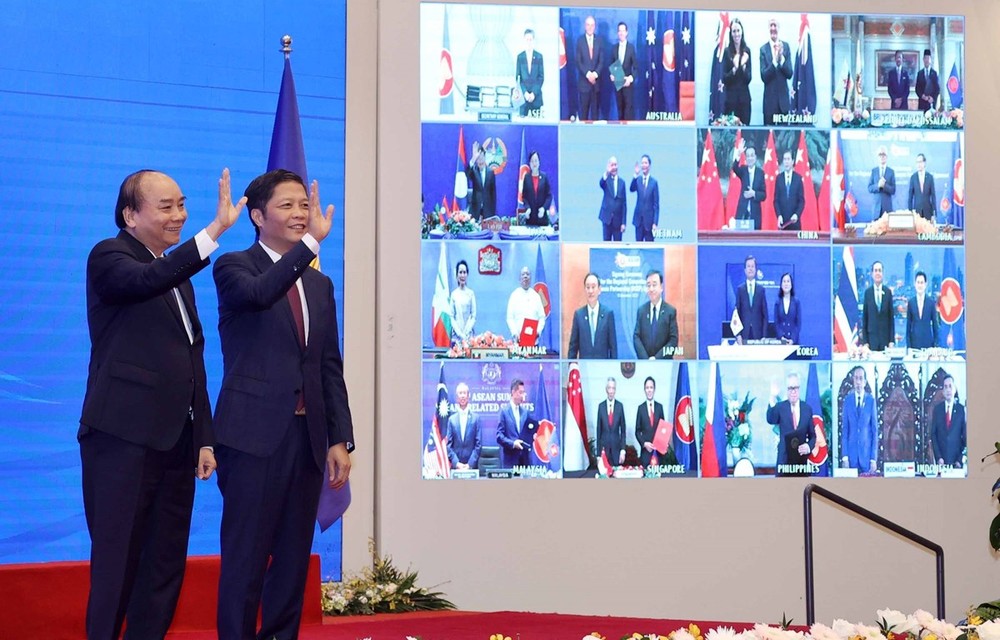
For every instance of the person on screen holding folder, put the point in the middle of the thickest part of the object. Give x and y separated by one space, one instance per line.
590 62
655 336
514 423
593 332
751 305
145 427
795 425
787 312
613 205
859 426
283 416
789 195
530 75
877 328
524 302
647 417
623 61
921 316
752 191
610 436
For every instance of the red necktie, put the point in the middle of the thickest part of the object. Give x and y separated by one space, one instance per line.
947 420
295 302
651 415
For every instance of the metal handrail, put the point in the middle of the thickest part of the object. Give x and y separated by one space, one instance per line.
873 517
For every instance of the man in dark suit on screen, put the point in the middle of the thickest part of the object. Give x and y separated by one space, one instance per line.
593 334
613 205
646 215
921 316
752 191
610 436
927 88
590 64
530 75
512 426
921 196
775 72
655 336
795 426
789 196
859 427
483 201
948 427
647 417
463 436
751 304
624 53
877 325
882 184
898 84
145 427
283 416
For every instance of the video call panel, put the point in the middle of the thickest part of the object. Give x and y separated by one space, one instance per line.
679 243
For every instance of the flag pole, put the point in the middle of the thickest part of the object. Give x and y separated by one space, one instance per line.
286 45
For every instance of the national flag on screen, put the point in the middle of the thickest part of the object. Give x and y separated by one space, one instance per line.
717 96
652 72
735 184
446 70
461 179
287 151
958 187
845 306
951 303
810 215
562 48
804 78
668 64
955 94
713 439
820 454
436 463
711 211
540 286
837 191
769 219
575 457
846 82
545 449
604 466
685 447
441 305
522 173
685 48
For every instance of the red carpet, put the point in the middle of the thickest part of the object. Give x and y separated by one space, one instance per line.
457 625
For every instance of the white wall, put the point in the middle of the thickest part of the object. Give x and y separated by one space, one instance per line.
710 549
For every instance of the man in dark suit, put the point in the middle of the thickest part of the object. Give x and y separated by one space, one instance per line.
145 427
646 215
948 427
877 326
751 304
928 89
655 336
610 436
530 76
590 63
789 196
282 416
794 420
483 201
624 54
464 436
613 202
775 72
859 427
921 316
647 417
593 334
514 421
921 196
752 190
898 85
882 183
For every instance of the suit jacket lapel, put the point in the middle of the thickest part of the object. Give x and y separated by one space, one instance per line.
143 255
263 262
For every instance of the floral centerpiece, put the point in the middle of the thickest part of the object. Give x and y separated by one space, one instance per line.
880 227
485 340
850 118
953 119
461 222
738 433
727 120
380 589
